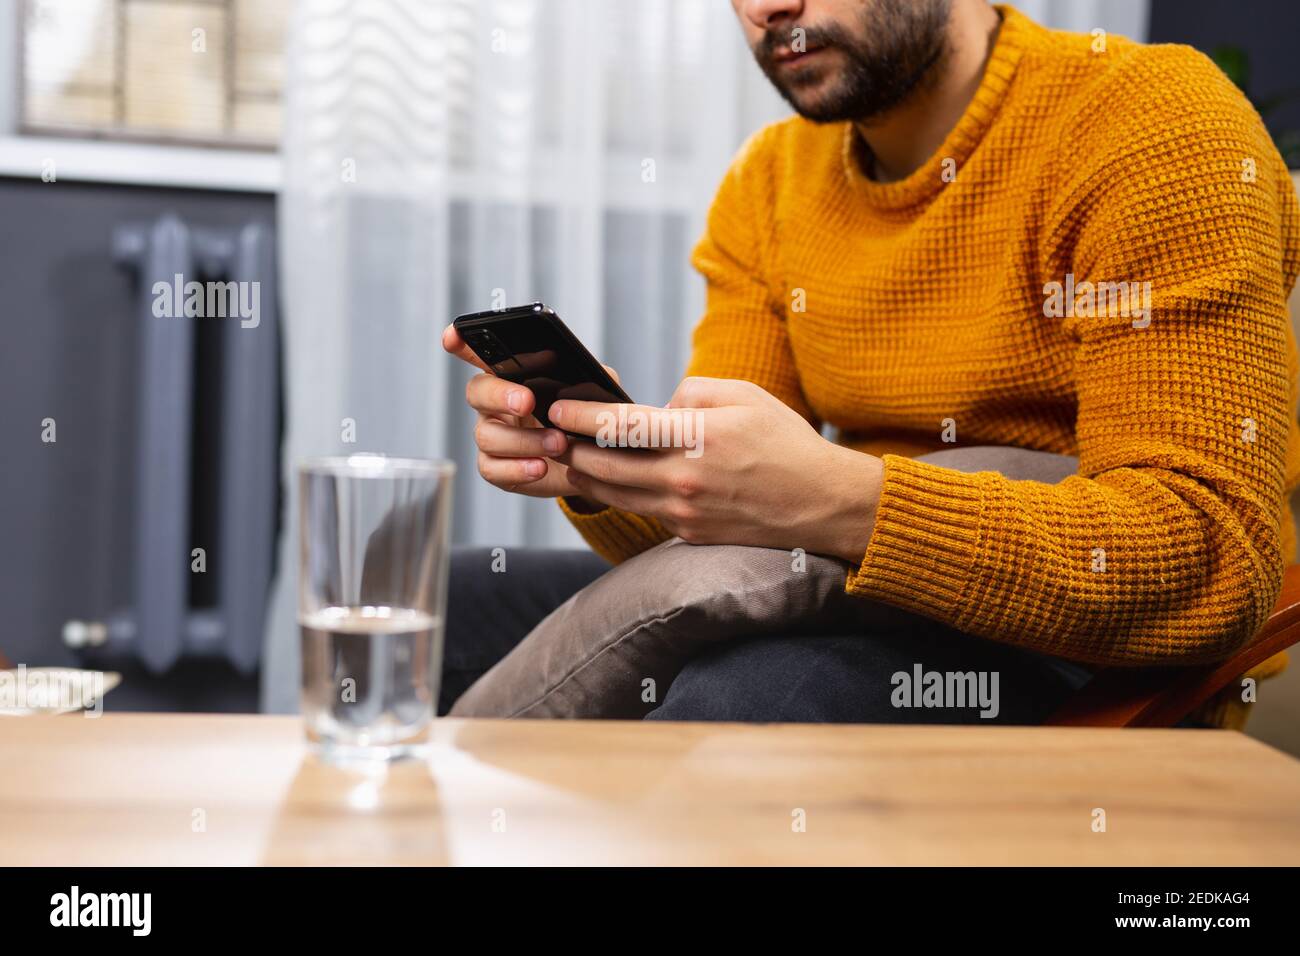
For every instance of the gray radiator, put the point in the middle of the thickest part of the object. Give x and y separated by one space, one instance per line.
160 626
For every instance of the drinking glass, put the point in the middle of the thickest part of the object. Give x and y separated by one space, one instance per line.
372 592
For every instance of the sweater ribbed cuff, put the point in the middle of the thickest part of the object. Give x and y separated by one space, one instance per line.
613 534
925 540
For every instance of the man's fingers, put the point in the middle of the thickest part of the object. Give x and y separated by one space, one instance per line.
509 473
628 467
509 441
490 395
610 420
453 343
636 500
699 392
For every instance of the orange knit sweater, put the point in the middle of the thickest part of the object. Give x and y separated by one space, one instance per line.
920 312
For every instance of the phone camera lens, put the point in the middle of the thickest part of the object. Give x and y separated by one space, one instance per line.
485 343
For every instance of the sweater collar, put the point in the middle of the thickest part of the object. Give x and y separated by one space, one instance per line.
962 139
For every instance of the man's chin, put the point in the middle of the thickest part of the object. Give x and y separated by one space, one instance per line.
816 104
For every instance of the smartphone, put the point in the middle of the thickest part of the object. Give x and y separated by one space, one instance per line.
530 345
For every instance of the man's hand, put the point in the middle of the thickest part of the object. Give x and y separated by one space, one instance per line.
515 452
752 471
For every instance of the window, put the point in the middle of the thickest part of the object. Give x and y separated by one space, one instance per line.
190 71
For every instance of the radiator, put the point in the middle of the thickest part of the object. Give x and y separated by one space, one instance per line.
160 626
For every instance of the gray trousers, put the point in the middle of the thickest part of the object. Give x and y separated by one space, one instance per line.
831 678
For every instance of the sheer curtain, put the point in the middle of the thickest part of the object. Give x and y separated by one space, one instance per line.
443 156
1125 17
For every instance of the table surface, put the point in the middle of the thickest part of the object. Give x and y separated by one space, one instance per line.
201 789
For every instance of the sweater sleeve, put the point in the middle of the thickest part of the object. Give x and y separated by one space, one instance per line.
742 334
1165 548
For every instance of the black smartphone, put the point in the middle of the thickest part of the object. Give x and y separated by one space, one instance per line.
530 345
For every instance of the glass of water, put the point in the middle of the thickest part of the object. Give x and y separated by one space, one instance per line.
372 590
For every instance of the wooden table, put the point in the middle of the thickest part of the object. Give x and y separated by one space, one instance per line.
197 789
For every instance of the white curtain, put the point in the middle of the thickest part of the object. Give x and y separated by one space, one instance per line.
441 156
1125 17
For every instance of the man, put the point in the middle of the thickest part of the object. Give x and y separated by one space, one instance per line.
976 232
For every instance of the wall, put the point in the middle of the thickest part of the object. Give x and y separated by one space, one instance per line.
1268 30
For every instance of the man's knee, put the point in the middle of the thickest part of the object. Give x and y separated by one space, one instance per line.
779 679
856 679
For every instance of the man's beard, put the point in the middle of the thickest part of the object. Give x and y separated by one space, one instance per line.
902 43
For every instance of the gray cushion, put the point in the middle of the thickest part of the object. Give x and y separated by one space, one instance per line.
614 647
643 620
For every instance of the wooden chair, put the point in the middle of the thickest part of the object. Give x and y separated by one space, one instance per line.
1161 697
